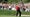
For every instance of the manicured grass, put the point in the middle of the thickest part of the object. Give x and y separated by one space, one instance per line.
11 16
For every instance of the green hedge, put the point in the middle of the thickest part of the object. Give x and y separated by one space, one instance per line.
11 12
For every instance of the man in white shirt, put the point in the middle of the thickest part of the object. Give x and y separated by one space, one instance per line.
9 7
1 5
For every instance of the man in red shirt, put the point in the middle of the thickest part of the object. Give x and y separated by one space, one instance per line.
18 11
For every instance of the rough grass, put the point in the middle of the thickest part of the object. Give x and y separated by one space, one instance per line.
11 12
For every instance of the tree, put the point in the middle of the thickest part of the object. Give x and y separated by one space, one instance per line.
1 1
26 1
16 1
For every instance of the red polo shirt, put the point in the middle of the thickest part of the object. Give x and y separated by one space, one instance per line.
17 8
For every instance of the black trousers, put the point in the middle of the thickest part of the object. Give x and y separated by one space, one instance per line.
9 8
18 12
24 9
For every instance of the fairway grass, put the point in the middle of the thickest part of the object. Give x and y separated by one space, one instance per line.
12 16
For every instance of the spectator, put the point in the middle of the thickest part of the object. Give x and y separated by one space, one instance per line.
9 7
24 8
